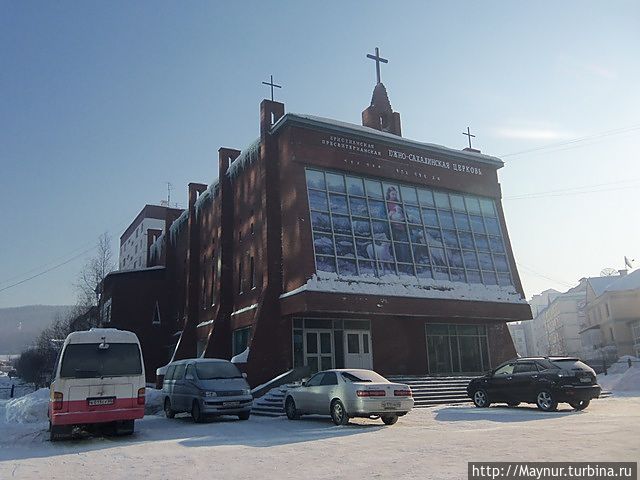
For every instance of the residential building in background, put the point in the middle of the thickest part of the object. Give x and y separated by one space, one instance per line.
142 233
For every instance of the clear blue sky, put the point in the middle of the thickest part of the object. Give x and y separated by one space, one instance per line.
103 102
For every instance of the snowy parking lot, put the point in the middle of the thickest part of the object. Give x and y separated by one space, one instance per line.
427 443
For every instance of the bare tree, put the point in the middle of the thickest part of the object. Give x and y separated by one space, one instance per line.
94 272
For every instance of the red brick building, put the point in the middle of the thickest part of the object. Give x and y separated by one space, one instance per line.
329 244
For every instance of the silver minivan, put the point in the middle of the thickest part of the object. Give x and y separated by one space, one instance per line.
206 387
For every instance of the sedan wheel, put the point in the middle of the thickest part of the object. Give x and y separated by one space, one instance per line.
338 413
545 401
481 399
291 410
168 411
389 419
581 405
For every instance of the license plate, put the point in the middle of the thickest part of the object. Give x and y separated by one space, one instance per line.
585 380
93 402
230 404
390 405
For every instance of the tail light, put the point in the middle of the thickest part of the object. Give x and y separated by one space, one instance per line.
141 392
370 393
403 393
57 400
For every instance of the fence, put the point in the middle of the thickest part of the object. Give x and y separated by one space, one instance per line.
13 391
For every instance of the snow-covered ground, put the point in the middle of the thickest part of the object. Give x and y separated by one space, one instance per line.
428 443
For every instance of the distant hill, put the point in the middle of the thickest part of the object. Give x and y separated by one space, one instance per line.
21 325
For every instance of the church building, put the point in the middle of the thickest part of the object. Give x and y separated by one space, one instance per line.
327 244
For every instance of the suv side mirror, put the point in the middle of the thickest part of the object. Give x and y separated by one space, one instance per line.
244 375
304 383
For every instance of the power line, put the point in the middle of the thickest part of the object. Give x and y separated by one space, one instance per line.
561 282
48 270
594 136
576 190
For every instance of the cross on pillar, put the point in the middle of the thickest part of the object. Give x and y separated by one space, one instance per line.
468 134
271 84
377 59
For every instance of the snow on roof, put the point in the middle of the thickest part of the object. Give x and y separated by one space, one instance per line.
630 281
408 286
177 224
312 120
207 195
600 284
248 155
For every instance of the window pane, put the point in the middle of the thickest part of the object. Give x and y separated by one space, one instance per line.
421 255
326 363
446 219
441 273
462 221
374 189
391 192
381 230
426 198
298 350
399 232
347 267
496 244
477 226
457 202
504 279
338 203
403 252
353 343
323 244
315 179
413 214
409 194
487 207
482 243
318 201
312 362
362 228
489 278
492 225
434 237
384 253
471 261
341 224
437 255
365 249
325 343
424 272
320 221
344 246
377 209
473 206
473 276
386 268
359 207
416 234
501 263
395 212
442 200
429 217
450 238
326 264
365 343
406 269
457 275
355 186
486 263
455 258
466 240
335 183
366 268
312 342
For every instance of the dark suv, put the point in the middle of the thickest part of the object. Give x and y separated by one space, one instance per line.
545 381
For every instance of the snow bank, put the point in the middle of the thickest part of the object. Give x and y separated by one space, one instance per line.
154 402
620 378
31 408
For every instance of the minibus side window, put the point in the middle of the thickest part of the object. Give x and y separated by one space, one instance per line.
170 370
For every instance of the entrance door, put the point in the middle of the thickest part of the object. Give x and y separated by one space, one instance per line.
357 349
318 349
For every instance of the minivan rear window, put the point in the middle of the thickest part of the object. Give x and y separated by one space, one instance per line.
211 370
87 360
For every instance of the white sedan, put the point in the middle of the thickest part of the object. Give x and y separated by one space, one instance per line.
346 393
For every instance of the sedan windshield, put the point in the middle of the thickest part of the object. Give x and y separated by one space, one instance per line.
213 370
363 376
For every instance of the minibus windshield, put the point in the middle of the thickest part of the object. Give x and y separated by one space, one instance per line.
88 360
213 370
